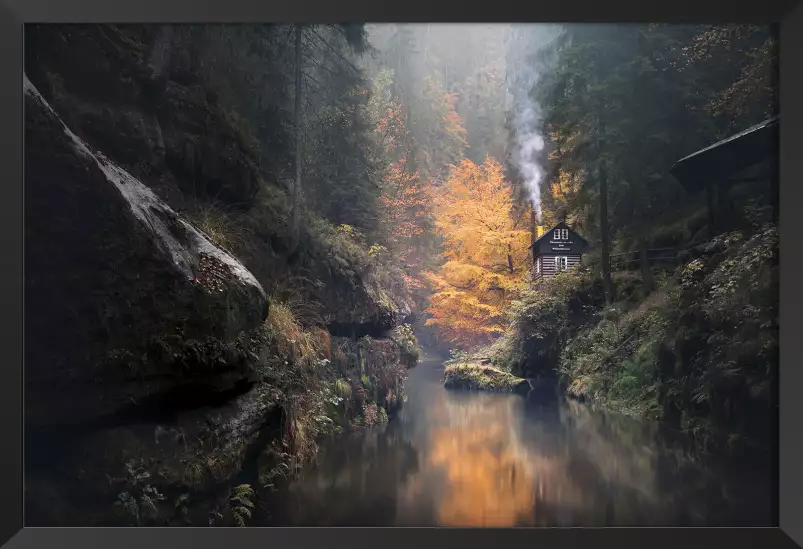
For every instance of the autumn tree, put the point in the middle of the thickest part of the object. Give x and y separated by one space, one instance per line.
404 196
439 129
485 253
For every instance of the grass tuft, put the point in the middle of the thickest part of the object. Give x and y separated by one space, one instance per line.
225 228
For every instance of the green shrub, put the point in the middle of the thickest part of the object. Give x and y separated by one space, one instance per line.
700 351
343 388
543 318
403 335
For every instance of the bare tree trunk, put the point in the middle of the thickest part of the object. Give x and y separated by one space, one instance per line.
646 271
161 50
711 205
607 284
297 130
509 258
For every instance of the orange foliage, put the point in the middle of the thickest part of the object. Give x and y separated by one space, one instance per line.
565 187
404 198
325 342
452 122
486 254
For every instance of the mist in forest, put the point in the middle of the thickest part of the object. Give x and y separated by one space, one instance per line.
492 69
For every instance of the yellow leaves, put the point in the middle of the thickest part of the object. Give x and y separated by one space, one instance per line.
462 274
566 186
475 286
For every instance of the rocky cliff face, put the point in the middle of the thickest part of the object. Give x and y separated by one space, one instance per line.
122 90
146 347
135 320
113 274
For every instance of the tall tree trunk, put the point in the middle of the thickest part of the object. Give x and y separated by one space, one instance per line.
711 209
509 258
297 130
646 272
161 51
607 284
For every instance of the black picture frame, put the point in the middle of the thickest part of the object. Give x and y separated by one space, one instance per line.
13 15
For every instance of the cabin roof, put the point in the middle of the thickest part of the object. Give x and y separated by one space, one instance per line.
724 158
561 225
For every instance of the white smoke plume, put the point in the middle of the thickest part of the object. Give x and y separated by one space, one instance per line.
525 69
529 144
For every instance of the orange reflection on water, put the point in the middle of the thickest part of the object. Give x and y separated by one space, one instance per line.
488 479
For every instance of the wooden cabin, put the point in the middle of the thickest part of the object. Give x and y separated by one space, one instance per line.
558 249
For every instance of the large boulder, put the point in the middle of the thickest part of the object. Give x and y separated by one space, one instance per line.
374 309
125 300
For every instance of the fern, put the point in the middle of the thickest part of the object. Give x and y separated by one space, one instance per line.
138 501
129 506
241 503
343 388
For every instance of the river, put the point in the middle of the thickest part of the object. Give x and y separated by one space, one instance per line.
477 459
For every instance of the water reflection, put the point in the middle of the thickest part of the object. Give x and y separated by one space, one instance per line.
457 459
488 478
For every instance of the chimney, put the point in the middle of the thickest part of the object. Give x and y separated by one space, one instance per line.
562 216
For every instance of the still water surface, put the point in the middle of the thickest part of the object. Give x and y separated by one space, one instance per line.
477 459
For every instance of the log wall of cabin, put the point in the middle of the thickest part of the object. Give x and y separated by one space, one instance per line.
548 267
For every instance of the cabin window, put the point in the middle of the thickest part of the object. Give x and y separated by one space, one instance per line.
561 263
538 265
561 234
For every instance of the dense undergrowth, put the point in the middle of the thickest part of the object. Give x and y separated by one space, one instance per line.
699 352
328 384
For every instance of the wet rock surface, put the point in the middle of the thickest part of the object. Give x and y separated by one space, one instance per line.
139 332
103 285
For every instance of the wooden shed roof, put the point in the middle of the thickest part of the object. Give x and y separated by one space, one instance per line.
755 145
561 225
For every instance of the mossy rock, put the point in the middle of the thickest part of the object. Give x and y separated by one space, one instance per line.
481 377
196 451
